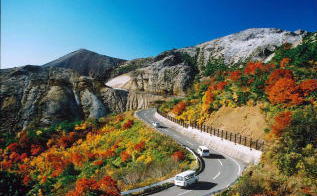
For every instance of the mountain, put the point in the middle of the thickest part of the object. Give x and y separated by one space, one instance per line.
173 71
72 87
88 63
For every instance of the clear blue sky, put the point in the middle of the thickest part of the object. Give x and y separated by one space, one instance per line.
38 31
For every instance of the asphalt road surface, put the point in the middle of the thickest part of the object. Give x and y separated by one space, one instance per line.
220 170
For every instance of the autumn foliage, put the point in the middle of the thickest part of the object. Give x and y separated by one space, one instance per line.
286 91
282 121
128 124
178 156
179 108
308 86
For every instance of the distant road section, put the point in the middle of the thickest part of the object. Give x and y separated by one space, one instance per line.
220 170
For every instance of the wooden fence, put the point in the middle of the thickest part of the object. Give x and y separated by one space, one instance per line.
233 137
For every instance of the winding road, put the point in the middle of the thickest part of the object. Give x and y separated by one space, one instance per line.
220 170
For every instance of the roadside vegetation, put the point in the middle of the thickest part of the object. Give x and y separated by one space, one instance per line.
286 90
95 157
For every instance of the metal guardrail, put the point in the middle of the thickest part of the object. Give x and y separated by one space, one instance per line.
233 137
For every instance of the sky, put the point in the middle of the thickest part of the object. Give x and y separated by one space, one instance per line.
39 31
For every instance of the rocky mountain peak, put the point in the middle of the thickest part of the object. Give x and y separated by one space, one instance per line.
88 63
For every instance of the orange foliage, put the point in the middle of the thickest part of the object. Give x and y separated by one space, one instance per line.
140 146
284 62
98 162
108 154
284 91
308 86
77 159
235 75
6 164
179 108
125 156
178 156
106 185
252 67
282 121
36 149
128 124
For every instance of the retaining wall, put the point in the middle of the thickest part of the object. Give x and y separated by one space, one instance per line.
243 153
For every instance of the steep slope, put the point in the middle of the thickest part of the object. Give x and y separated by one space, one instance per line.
172 72
88 63
35 96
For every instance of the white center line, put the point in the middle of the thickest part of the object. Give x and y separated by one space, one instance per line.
220 162
184 192
216 176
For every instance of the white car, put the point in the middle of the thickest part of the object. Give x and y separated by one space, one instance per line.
156 124
203 151
186 178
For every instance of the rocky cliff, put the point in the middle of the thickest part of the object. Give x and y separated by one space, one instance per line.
173 71
34 96
72 87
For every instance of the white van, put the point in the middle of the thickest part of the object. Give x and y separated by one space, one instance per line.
203 151
186 178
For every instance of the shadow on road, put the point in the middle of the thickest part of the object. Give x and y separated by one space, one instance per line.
215 156
202 185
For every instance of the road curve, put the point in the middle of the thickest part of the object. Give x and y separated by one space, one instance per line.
220 170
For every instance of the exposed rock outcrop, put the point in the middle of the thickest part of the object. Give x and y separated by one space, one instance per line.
33 96
88 63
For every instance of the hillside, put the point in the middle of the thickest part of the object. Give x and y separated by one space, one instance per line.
88 63
259 82
88 158
285 90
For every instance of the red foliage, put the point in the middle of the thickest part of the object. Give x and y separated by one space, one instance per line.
77 159
235 75
15 157
278 74
106 185
58 163
108 154
252 67
23 167
13 146
179 108
284 91
284 62
178 156
140 146
109 186
26 180
218 86
36 149
125 156
308 86
67 140
282 121
6 164
128 124
23 156
98 162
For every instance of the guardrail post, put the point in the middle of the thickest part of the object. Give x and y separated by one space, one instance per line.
240 140
235 138
221 133
245 141
226 134
256 144
250 143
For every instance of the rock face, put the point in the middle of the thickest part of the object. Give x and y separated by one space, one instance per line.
171 72
72 87
88 63
34 96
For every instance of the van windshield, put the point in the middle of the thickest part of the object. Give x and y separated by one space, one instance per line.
205 151
179 178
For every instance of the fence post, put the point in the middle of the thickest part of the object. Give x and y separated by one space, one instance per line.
240 140
245 141
235 138
250 143
221 133
256 144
